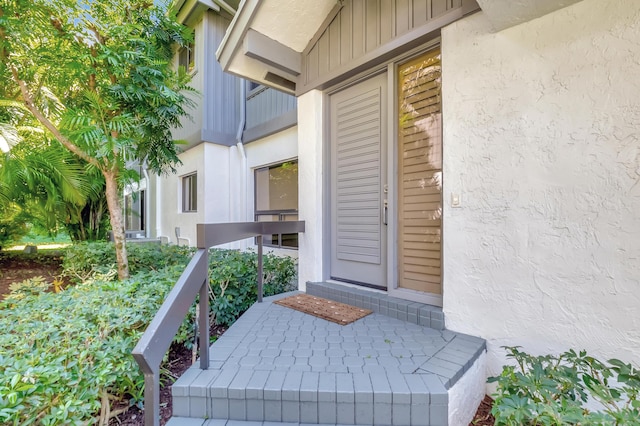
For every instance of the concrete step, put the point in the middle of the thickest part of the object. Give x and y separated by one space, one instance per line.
279 365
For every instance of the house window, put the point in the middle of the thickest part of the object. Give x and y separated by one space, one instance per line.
187 56
190 193
134 211
276 199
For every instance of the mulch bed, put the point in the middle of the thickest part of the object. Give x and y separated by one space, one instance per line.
329 310
16 267
483 416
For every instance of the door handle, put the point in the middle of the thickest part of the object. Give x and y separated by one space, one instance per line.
385 209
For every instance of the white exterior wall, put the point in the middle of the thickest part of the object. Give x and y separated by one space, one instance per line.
465 396
541 139
211 163
311 167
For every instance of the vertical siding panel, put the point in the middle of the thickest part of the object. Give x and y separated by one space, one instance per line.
419 12
402 16
323 53
272 104
313 64
372 32
438 7
334 43
358 23
386 23
280 110
346 36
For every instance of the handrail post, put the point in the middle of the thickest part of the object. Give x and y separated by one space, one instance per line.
204 318
260 273
152 399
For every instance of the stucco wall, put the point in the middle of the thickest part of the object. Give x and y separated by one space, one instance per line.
211 163
310 183
541 139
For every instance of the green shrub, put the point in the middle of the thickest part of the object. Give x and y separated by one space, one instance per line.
12 228
60 352
232 273
30 287
233 280
553 390
88 260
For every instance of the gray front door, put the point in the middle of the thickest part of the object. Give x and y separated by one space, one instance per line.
358 180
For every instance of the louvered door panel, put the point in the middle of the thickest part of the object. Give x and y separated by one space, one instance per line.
357 174
420 174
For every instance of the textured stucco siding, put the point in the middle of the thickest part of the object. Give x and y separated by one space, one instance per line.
542 142
467 393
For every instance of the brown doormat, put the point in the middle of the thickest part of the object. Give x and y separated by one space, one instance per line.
339 313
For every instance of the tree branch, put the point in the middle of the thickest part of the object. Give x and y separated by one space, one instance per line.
28 102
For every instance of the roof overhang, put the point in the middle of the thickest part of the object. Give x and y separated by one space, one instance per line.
266 38
188 11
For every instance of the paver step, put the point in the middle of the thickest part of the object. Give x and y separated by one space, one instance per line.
188 421
279 365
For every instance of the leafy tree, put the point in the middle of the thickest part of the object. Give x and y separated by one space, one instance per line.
96 74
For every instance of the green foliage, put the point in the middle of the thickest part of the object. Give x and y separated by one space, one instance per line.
59 352
87 260
553 390
12 228
233 281
30 287
232 274
97 76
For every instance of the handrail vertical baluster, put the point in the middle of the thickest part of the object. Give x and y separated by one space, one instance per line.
260 268
204 319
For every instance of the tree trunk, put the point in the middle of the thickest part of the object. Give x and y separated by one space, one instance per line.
117 225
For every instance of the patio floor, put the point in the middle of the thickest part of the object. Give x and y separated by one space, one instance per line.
276 365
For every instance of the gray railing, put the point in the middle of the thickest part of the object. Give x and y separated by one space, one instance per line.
157 338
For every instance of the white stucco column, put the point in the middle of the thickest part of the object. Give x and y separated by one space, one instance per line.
310 186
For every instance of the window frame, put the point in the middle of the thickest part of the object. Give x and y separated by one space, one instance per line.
187 57
189 188
132 200
282 213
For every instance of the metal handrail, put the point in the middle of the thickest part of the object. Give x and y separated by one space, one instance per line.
158 336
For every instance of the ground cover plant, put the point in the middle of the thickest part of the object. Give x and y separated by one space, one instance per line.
555 390
65 357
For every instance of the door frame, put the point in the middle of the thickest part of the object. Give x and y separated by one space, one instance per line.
390 68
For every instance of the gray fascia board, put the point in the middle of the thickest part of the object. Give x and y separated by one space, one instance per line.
226 139
235 33
260 47
190 9
275 125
